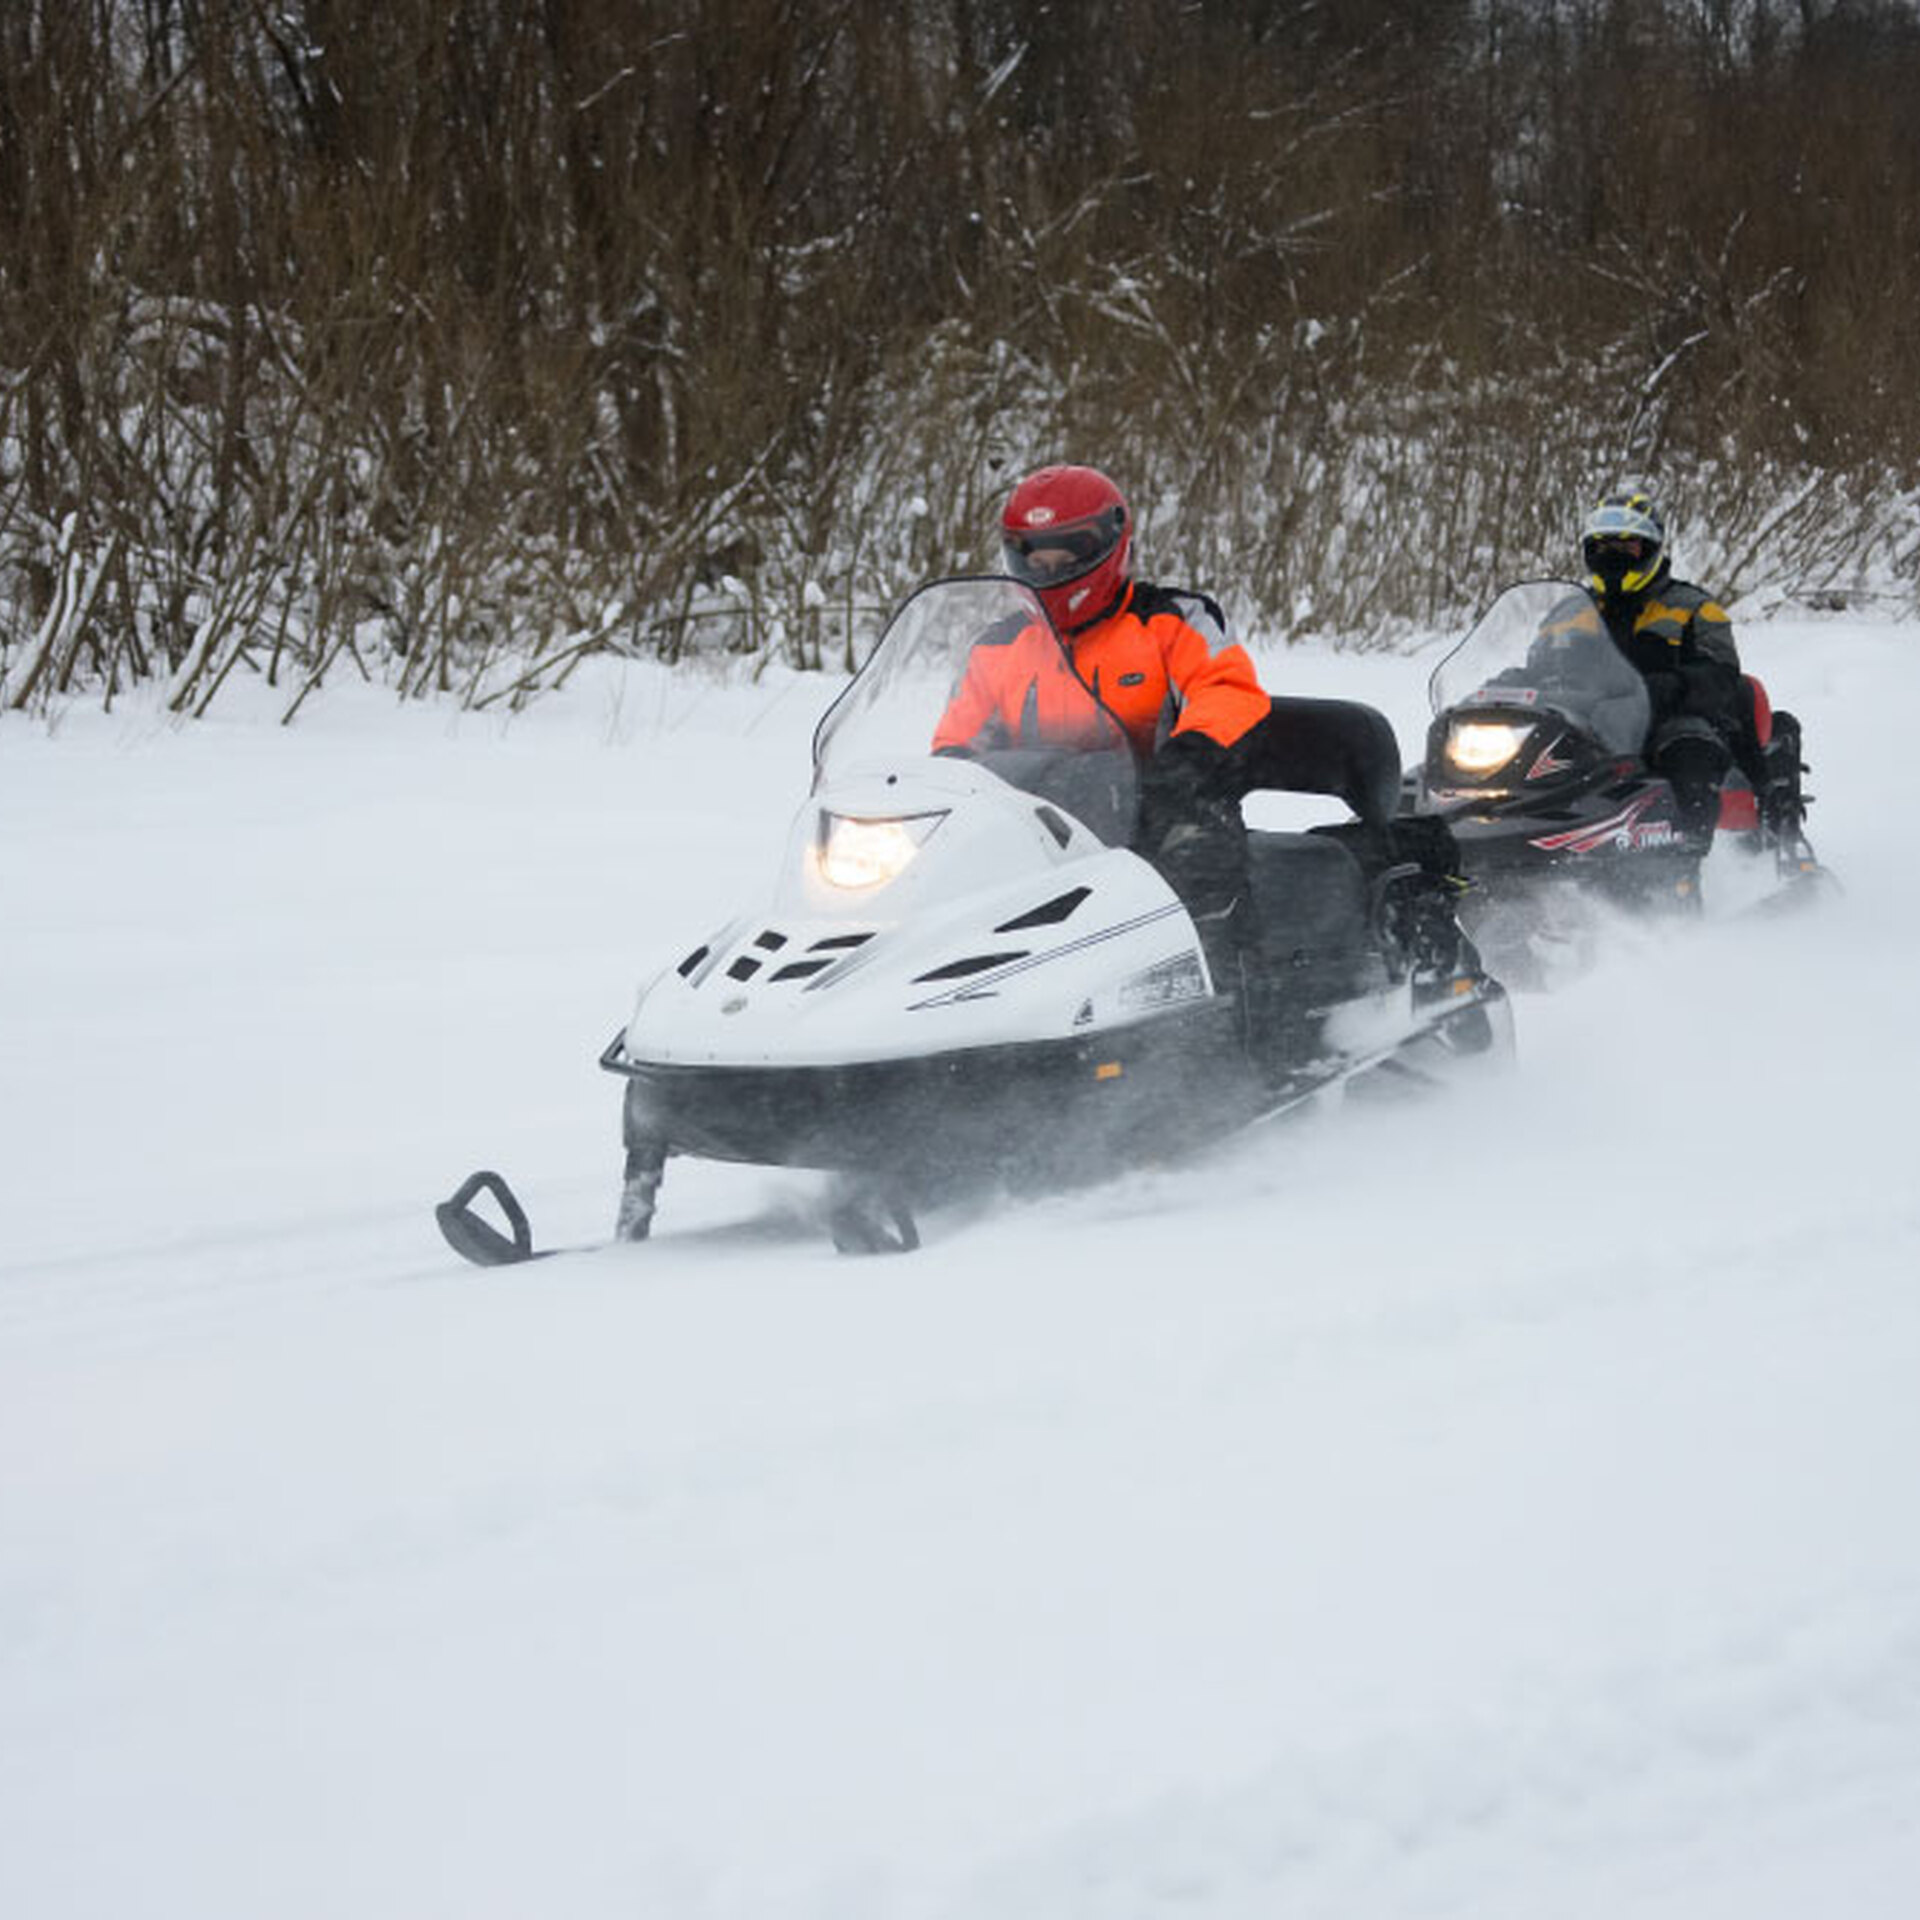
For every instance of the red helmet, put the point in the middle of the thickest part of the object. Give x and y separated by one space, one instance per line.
1067 533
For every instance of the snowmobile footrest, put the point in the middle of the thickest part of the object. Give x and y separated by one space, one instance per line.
479 1240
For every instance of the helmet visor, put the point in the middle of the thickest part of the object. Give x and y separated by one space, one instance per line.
1615 552
1049 556
1625 516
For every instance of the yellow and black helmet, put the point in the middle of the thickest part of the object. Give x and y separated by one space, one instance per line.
1624 542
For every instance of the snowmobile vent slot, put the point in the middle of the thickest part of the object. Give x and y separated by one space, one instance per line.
836 942
770 940
1054 823
974 963
1049 914
686 966
803 969
744 968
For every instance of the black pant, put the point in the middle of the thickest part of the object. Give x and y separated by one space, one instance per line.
1693 756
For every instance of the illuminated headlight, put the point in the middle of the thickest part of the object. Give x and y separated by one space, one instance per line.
1482 746
851 852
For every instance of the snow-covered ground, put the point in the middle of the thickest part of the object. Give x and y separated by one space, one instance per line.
1505 1507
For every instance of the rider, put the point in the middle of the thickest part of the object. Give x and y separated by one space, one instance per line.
1680 640
1160 659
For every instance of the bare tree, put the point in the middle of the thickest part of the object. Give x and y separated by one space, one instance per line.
447 343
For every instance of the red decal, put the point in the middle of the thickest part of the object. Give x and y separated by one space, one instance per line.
1547 764
1625 831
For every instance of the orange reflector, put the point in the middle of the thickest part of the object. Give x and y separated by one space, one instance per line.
1107 1070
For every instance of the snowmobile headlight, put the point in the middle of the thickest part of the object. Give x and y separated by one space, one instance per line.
852 852
1171 980
1482 746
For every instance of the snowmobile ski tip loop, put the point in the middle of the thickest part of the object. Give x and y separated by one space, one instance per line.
476 1239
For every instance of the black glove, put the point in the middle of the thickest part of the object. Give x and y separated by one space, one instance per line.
1188 783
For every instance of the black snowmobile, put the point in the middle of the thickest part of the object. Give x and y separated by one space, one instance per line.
964 976
1534 760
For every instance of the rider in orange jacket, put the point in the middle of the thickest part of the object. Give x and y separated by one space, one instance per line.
1159 659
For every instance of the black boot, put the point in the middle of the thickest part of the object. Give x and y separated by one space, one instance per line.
1221 939
1694 764
1783 806
1205 862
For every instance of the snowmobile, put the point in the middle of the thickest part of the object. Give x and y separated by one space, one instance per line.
964 977
1534 759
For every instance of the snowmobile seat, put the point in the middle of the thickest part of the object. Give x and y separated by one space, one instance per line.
1339 747
1740 800
1311 917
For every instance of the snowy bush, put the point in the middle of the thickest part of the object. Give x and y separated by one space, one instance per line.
712 329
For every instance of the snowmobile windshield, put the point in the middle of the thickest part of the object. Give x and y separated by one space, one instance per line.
972 668
1543 646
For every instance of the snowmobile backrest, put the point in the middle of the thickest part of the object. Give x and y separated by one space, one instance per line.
1339 747
1311 929
1308 893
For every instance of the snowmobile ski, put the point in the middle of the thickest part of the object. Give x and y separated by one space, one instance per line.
863 1218
473 1237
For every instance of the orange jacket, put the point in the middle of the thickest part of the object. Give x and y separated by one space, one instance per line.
1162 665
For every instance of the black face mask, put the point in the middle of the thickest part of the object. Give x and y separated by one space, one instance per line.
1611 560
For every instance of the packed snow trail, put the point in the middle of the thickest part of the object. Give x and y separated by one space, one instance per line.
1498 1506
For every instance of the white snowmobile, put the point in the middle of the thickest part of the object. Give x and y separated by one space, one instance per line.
964 975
